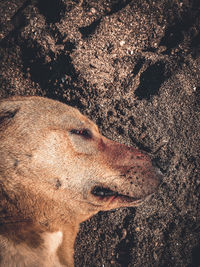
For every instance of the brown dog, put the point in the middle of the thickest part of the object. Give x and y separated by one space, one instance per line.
57 170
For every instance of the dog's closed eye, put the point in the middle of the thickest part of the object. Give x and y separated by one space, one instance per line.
86 133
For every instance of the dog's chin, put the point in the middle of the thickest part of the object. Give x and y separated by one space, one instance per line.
113 199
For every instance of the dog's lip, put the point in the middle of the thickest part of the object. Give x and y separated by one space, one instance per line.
104 193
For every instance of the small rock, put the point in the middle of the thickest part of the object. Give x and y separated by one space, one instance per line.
122 43
155 256
124 233
93 10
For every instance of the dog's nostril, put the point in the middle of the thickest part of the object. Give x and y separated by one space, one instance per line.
157 168
158 171
159 175
140 157
155 163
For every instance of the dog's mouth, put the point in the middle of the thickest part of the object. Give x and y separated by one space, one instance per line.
107 194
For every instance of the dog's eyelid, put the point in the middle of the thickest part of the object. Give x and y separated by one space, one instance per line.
86 133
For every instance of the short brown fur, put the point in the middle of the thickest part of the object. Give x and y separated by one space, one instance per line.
57 170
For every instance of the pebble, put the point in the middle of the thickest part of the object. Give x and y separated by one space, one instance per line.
122 43
93 10
155 255
124 233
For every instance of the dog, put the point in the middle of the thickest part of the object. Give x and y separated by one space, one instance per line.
56 171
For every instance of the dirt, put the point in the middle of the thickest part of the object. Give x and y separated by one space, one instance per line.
133 67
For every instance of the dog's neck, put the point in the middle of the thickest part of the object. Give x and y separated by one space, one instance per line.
47 249
36 237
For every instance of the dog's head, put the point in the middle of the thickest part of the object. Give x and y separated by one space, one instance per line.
54 159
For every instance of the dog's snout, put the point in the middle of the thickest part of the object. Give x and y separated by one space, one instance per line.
143 172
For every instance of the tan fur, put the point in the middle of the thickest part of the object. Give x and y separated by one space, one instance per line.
51 175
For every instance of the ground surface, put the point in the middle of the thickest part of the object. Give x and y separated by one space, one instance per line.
133 67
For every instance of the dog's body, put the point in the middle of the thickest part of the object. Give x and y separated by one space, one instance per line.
56 171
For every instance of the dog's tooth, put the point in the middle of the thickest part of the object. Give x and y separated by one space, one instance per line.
101 193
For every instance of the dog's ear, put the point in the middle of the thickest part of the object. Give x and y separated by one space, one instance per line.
6 116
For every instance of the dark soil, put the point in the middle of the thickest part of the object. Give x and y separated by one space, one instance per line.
133 67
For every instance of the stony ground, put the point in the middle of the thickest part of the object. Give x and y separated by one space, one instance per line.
133 67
